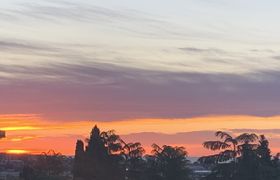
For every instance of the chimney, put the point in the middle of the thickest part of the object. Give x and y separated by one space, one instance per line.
2 134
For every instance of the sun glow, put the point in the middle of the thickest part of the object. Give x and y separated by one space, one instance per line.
20 128
17 151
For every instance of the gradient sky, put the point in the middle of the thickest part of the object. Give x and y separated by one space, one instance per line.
66 65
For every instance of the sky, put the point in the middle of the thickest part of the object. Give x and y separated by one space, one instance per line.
147 66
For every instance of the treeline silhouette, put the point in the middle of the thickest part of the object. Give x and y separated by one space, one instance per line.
105 156
47 166
245 157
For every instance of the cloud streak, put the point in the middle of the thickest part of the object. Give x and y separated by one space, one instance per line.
61 12
105 74
105 92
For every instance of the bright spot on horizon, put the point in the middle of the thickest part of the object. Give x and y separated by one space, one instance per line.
17 151
16 128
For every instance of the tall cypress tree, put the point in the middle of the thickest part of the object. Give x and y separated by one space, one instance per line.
79 160
96 161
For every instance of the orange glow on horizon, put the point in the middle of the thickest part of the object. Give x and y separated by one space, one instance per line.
17 151
32 134
24 138
18 128
206 123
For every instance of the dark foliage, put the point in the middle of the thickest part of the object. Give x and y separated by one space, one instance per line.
48 166
107 156
245 157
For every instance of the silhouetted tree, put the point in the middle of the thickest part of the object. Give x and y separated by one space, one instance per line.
78 168
48 166
96 145
134 162
107 156
101 160
112 142
229 147
268 167
263 150
152 169
171 162
241 158
51 163
247 165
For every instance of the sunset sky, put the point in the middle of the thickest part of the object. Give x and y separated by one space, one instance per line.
169 72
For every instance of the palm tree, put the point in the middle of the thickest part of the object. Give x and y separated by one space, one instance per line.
112 141
133 150
229 147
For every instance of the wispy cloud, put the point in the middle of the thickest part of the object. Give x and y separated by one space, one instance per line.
80 12
126 20
201 51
